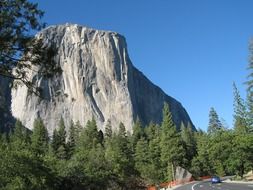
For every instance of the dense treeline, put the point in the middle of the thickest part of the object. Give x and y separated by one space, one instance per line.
90 159
85 158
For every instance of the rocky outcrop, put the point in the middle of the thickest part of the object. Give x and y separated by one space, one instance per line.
97 80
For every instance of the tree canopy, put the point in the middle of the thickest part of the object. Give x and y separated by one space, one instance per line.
20 51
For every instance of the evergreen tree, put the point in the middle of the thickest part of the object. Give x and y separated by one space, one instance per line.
201 164
240 112
55 141
138 132
141 158
19 19
39 138
20 138
62 132
108 129
241 153
73 137
118 155
147 160
79 128
18 131
59 141
214 122
172 151
62 152
220 151
89 138
122 130
96 168
155 172
152 131
250 84
189 143
20 169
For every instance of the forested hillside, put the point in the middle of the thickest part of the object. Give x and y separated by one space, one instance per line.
84 157
90 159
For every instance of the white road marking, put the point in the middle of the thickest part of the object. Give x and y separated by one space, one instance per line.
195 185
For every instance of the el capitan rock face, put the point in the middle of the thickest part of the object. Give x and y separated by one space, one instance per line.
98 80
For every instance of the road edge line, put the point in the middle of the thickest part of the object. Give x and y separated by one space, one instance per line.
195 184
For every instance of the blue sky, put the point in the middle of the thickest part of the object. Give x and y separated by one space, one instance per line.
192 49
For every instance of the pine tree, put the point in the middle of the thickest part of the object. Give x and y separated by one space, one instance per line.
20 138
141 158
118 154
59 141
250 84
108 129
189 143
100 137
62 133
96 168
122 130
172 151
240 112
220 150
241 155
39 138
152 131
138 132
18 131
72 140
89 137
55 141
201 164
20 19
155 174
214 122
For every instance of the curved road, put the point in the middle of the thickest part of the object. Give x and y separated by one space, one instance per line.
207 185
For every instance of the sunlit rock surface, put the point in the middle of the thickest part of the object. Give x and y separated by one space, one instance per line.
98 80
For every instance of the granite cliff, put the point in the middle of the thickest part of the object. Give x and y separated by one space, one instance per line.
97 80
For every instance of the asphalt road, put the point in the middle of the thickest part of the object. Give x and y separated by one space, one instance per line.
220 186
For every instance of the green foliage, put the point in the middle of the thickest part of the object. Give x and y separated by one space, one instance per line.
241 153
141 157
89 136
189 144
172 152
214 122
220 151
19 19
138 132
22 170
152 131
118 155
155 172
108 129
74 132
118 161
147 160
39 138
201 163
250 84
21 160
241 119
20 137
58 144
